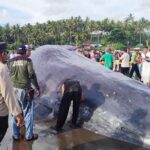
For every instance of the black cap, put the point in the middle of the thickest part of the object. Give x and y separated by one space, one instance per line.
21 49
3 46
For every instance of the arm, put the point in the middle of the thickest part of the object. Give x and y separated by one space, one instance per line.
112 58
82 97
62 89
147 59
33 77
103 57
121 57
8 94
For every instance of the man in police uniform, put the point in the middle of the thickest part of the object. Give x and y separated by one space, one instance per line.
8 102
71 91
23 75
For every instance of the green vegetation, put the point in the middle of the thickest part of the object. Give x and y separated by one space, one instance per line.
75 31
118 46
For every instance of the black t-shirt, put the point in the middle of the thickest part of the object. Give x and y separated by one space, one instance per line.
72 86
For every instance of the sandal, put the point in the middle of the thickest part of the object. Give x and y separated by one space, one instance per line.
34 137
16 138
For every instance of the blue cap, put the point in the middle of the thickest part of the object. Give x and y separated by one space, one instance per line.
3 46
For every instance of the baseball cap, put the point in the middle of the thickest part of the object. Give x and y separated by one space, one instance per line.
21 49
28 47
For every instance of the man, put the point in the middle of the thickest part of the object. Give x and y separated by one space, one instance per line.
71 90
92 55
23 76
116 61
108 59
8 102
134 61
125 63
146 66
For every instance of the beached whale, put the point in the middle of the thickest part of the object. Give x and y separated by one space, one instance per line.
115 105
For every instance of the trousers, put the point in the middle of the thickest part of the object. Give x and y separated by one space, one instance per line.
125 71
27 109
3 126
136 69
64 108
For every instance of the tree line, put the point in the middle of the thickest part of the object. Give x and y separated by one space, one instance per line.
76 30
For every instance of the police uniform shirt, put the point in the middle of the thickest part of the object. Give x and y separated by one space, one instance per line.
8 102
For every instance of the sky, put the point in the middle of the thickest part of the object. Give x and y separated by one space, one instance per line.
32 11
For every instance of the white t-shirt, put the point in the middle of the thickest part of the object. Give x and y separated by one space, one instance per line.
148 54
145 55
125 58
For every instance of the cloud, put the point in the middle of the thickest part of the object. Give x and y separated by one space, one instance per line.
146 4
3 13
43 10
12 16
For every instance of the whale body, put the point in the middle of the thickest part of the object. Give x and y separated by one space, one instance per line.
115 105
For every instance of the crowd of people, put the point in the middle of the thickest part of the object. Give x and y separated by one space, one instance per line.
132 63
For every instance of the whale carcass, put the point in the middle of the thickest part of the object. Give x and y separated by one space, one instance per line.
115 105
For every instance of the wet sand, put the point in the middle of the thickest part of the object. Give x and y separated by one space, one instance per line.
76 139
